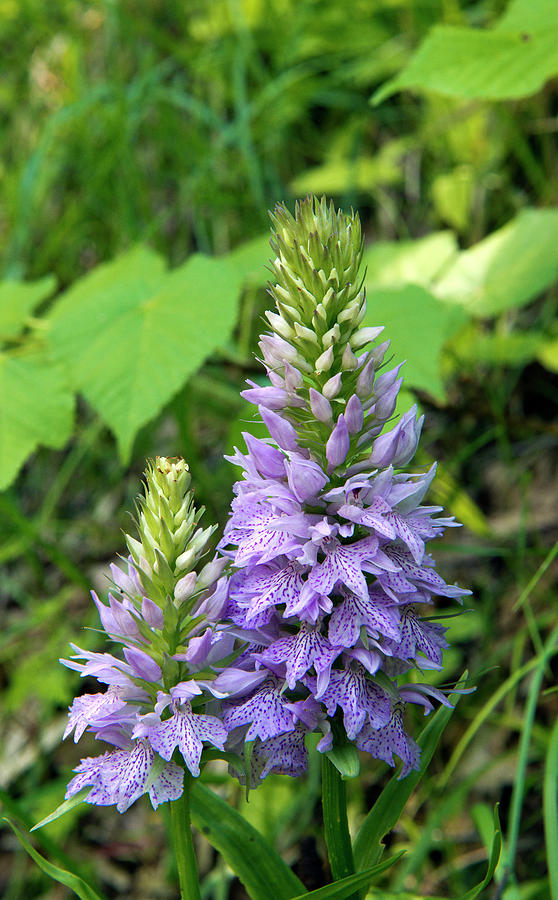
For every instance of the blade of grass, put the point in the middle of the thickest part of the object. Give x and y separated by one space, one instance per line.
486 711
391 802
526 593
340 890
550 811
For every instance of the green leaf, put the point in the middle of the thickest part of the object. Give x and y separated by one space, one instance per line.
345 759
548 355
131 333
385 813
18 299
492 862
393 263
251 259
550 810
417 325
342 889
452 193
507 269
63 808
472 347
74 882
258 866
512 60
36 408
336 829
361 173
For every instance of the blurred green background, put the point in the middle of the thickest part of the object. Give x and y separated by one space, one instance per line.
139 134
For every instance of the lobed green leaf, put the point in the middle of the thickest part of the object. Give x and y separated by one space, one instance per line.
512 60
130 333
37 408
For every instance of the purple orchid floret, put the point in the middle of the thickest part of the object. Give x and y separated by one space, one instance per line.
332 584
120 777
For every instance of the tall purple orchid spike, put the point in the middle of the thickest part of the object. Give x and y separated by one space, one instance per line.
164 610
332 585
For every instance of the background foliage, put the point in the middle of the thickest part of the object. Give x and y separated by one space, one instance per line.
141 145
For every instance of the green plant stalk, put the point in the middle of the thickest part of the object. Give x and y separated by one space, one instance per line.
336 829
524 747
550 792
184 845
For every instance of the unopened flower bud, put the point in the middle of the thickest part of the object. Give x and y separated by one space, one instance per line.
398 446
349 361
211 572
332 386
325 361
385 405
305 477
320 406
365 379
365 336
354 415
338 444
185 587
280 430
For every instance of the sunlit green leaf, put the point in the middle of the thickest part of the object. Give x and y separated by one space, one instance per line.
394 263
36 408
363 173
345 759
507 269
548 355
417 324
251 259
18 299
471 347
512 60
130 333
452 193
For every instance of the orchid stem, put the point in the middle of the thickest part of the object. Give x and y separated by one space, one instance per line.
184 845
336 829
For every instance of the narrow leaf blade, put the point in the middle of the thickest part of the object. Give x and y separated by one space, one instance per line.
550 810
258 866
386 811
342 889
63 808
493 861
74 882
